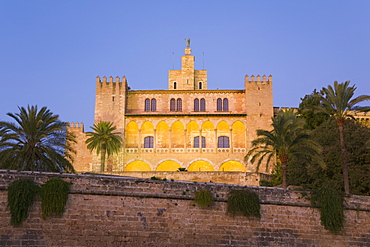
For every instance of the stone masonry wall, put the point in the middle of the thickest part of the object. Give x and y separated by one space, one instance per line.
120 211
238 178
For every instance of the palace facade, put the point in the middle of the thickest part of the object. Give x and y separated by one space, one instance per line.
186 126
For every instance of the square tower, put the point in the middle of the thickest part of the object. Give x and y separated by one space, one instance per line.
187 78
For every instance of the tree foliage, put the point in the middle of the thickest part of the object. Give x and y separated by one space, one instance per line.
313 176
37 141
306 110
287 139
337 101
104 140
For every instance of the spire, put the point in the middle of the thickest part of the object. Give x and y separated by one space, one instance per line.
187 49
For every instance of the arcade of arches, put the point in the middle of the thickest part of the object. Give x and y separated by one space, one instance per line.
172 166
193 138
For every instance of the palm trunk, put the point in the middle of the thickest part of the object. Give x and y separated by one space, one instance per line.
344 157
284 161
102 161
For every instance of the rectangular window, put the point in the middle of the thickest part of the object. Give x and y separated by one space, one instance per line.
196 142
223 142
148 142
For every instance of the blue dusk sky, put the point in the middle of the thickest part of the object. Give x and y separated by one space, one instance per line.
51 51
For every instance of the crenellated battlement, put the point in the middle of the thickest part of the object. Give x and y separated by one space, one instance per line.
258 79
117 79
76 125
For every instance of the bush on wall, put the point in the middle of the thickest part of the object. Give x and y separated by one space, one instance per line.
243 202
21 195
54 196
331 204
203 198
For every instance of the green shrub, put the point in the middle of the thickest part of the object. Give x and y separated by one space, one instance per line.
331 204
203 198
243 202
21 195
265 183
54 196
181 169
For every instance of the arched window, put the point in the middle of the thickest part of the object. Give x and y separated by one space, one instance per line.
226 105
223 142
172 105
196 105
148 142
196 142
219 104
147 105
179 105
202 105
154 105
174 85
200 85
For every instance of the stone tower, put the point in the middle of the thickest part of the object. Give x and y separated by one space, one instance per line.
110 101
187 78
258 105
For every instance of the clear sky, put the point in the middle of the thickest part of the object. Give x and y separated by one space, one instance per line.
51 51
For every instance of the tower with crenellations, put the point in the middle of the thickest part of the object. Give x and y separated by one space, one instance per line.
110 100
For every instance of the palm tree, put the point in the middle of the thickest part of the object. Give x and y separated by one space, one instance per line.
286 140
104 141
38 141
337 102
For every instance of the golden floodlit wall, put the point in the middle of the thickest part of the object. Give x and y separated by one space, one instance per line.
186 126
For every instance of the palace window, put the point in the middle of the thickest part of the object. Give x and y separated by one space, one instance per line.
172 105
150 105
222 105
196 142
223 142
148 142
200 85
226 105
154 105
179 105
202 105
174 85
176 105
219 104
196 105
147 105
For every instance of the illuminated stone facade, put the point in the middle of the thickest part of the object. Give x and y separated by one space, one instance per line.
186 126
